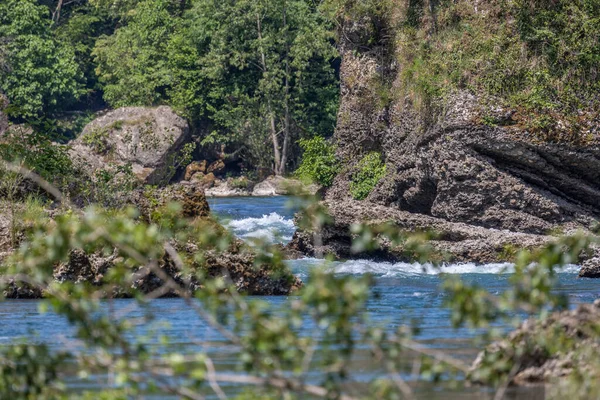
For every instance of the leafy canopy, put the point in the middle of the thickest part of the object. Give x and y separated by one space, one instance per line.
39 75
131 63
253 69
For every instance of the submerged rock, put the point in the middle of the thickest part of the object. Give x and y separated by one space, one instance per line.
149 139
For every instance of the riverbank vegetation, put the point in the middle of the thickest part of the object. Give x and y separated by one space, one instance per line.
537 59
251 77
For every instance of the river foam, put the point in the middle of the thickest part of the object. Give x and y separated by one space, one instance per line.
272 228
387 269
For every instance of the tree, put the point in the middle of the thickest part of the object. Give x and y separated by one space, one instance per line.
260 70
79 28
39 75
132 63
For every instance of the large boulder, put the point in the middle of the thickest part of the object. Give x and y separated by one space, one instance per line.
149 139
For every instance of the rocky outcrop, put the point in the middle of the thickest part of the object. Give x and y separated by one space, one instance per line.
527 348
237 262
237 266
590 268
485 184
194 168
191 198
450 241
149 139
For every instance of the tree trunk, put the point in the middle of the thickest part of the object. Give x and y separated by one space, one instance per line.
272 126
286 129
56 13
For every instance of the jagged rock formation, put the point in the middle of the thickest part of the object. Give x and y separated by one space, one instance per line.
451 241
237 262
590 268
527 348
147 138
486 186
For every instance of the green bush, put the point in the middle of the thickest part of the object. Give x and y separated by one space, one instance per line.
370 170
318 161
241 182
37 152
97 139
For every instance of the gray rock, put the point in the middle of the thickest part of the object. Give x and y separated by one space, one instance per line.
278 185
525 348
590 268
451 241
147 138
223 188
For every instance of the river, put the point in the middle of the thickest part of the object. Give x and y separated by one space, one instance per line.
406 293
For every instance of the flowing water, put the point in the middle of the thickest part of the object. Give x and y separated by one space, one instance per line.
406 293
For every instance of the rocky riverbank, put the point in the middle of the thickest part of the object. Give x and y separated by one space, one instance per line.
546 350
237 262
485 188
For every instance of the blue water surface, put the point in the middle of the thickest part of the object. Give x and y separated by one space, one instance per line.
403 294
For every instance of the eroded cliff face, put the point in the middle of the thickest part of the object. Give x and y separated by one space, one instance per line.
453 166
445 167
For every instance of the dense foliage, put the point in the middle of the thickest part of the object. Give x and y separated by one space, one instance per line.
319 163
252 77
369 171
38 73
37 152
538 58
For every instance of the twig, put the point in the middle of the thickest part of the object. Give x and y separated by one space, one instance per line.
210 367
400 383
